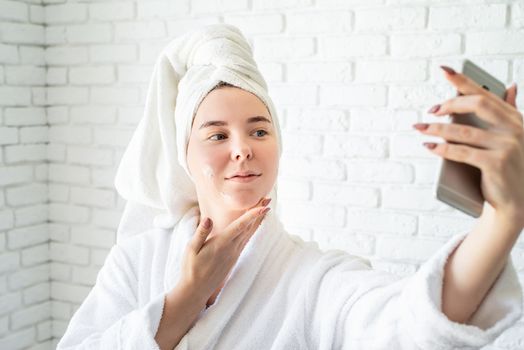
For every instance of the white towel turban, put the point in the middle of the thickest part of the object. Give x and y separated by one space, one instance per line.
153 172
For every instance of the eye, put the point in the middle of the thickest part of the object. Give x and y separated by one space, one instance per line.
264 132
214 139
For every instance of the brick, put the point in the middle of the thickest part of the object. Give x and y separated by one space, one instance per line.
313 22
67 95
409 146
382 120
69 292
66 55
352 95
92 237
517 14
317 119
41 174
345 146
18 340
56 153
34 134
355 244
414 198
25 75
280 48
390 71
89 155
316 168
112 53
98 256
93 197
27 194
134 74
9 302
294 95
297 144
22 33
149 52
60 272
59 232
350 46
56 76
28 276
133 31
467 17
212 7
112 96
379 172
92 75
37 293
31 315
444 226
106 218
89 33
104 178
111 11
8 136
181 26
8 262
85 275
8 53
418 96
424 45
309 214
93 115
255 24
65 13
37 14
25 116
14 10
27 236
161 9
283 4
345 4
55 35
68 213
319 72
390 18
31 215
15 96
345 195
410 249
15 174
32 55
70 134
68 174
43 330
294 190
25 153
62 252
382 222
57 115
114 137
35 255
495 42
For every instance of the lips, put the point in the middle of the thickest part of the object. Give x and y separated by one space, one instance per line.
244 175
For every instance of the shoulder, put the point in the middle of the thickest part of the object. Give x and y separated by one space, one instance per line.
148 243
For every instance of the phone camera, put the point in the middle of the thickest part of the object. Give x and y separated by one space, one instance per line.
485 87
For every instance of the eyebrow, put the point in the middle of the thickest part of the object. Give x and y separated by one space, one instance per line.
255 119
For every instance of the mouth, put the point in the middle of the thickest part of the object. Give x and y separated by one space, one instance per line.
244 178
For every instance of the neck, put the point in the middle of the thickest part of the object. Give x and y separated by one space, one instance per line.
221 217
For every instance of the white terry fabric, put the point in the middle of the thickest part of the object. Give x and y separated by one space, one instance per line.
284 293
153 172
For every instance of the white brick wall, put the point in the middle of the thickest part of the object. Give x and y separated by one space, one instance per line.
349 78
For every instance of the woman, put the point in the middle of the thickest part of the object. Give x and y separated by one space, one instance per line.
224 274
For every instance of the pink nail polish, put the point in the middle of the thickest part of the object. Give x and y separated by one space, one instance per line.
448 70
430 145
421 126
434 109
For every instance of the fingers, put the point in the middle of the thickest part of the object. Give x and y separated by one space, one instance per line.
463 154
463 134
201 234
247 220
511 95
464 85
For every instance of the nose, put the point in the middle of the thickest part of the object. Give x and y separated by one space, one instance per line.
241 151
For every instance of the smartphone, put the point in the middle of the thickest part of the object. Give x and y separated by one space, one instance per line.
458 184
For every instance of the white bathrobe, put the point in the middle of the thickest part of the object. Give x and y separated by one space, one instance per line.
283 293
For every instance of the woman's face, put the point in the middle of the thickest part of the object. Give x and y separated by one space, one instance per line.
232 133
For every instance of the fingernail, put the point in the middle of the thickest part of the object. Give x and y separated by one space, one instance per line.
207 223
434 109
264 210
430 145
448 70
421 126
266 201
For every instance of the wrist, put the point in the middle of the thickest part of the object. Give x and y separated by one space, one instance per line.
188 291
502 220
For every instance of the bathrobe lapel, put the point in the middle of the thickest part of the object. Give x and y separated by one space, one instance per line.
206 332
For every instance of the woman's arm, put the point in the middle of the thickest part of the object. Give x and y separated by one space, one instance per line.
475 265
181 310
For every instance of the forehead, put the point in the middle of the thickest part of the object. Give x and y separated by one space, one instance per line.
230 104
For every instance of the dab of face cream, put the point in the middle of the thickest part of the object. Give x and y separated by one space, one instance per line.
208 172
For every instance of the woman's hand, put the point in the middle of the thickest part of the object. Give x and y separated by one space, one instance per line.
497 151
207 262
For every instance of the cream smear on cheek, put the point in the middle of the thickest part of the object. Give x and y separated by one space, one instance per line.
208 173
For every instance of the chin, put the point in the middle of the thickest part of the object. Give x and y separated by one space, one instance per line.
241 201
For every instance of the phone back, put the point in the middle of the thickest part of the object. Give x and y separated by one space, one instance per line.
458 184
